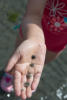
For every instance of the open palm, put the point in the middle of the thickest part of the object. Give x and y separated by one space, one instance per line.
28 61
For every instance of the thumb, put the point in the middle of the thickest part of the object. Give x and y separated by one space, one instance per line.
12 61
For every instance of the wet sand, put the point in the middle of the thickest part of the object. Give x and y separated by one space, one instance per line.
53 84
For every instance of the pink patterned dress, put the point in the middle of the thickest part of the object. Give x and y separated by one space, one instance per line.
54 23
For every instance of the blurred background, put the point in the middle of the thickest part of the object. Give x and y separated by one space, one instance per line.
53 84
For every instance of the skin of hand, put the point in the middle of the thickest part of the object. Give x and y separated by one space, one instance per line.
21 60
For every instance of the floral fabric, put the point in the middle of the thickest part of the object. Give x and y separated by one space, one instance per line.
54 23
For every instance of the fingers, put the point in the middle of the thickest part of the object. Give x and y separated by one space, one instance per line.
29 91
17 83
12 61
38 69
37 74
23 88
36 81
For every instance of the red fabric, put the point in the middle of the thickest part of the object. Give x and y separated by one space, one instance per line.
20 31
54 23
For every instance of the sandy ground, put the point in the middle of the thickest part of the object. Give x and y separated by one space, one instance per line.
53 84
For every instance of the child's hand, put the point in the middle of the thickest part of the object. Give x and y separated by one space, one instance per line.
28 62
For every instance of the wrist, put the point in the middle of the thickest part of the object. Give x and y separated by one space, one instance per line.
37 39
32 28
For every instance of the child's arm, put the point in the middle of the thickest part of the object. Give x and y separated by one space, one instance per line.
22 60
31 23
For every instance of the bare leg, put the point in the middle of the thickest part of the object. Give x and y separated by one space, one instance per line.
51 56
